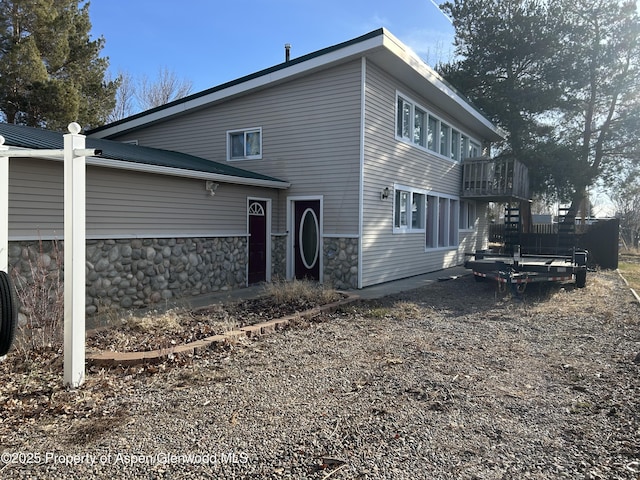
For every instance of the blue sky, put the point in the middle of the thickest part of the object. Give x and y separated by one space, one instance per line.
210 42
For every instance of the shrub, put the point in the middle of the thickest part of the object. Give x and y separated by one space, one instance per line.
40 295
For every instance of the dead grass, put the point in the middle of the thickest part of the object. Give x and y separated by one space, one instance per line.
629 266
158 330
290 291
41 297
168 321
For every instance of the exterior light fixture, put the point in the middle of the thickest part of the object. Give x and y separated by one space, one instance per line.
384 194
211 187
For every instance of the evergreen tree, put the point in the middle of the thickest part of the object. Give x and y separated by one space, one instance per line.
50 70
561 77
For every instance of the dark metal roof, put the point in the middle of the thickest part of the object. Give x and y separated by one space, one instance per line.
37 138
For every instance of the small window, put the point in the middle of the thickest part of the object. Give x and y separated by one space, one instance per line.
408 210
245 144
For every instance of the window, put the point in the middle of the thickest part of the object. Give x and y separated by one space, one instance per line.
467 215
419 133
474 149
414 124
454 152
445 133
244 144
431 133
408 210
404 118
441 222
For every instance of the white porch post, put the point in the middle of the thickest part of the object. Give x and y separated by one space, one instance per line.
74 258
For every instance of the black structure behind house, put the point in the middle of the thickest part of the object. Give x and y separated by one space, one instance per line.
601 240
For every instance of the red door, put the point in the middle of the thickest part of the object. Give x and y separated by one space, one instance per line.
306 243
257 241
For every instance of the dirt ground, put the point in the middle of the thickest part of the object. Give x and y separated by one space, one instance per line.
451 381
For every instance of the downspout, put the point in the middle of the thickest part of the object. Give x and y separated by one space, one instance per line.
361 192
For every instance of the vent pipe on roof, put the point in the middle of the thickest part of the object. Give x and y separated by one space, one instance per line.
287 52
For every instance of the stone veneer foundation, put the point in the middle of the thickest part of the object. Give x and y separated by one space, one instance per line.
135 273
341 262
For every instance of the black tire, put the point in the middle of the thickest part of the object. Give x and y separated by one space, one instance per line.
581 279
8 313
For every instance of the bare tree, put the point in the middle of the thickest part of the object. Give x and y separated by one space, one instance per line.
625 196
166 88
134 96
125 98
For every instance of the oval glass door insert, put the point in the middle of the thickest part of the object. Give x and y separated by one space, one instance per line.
308 241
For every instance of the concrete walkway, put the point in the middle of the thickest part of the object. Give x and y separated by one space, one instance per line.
374 291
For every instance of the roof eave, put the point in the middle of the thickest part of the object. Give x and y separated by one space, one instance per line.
446 91
163 170
285 71
180 172
376 43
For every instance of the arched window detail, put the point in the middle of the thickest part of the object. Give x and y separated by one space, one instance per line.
255 208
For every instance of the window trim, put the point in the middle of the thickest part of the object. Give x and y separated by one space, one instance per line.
397 188
245 131
466 141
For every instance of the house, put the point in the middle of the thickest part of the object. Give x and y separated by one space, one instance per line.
150 233
344 165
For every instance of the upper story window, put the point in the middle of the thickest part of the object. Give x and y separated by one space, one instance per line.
404 119
244 144
416 125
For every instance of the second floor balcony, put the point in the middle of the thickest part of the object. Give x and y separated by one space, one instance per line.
495 180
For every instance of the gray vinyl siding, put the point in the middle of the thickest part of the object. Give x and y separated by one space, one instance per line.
476 239
124 204
387 256
310 138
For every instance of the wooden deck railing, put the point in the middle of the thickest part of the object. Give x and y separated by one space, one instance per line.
495 179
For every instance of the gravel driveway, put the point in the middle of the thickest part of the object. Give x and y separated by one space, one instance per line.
451 381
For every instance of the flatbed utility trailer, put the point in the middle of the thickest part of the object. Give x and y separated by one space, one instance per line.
517 270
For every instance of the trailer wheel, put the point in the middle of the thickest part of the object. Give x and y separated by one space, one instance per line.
8 313
581 279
